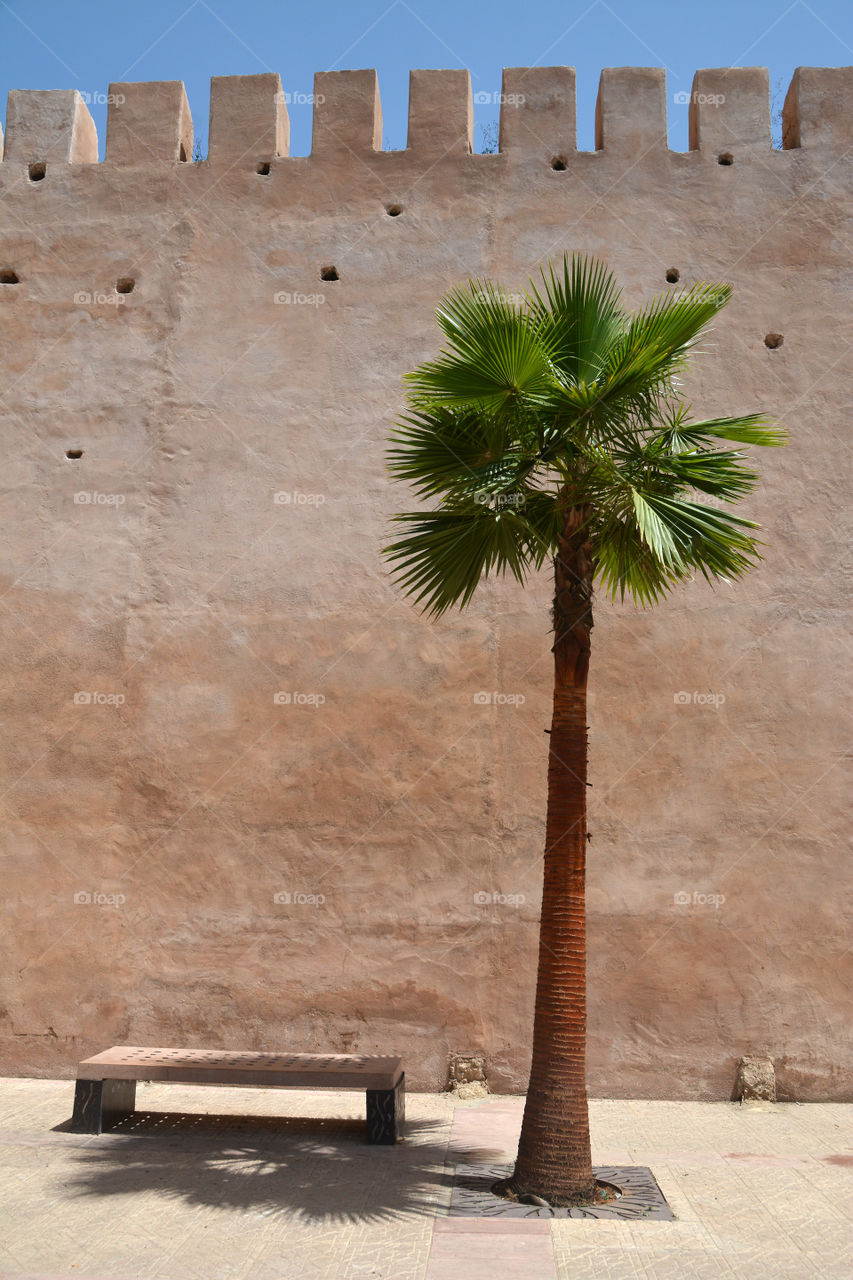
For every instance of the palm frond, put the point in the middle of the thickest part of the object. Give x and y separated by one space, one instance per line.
495 354
749 429
649 354
721 474
580 310
447 451
444 554
561 402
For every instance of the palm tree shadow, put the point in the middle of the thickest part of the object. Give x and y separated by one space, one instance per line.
316 1170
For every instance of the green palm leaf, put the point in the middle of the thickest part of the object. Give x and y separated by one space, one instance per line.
495 354
565 401
580 311
444 554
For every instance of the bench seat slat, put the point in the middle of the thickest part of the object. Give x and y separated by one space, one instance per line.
210 1066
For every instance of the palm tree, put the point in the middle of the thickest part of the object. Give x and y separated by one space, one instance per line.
551 426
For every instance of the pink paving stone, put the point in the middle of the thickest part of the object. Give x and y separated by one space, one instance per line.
495 1125
509 1226
522 1250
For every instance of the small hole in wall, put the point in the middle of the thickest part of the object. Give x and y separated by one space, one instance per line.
329 273
74 453
559 163
37 171
393 210
725 157
182 153
263 168
7 276
773 340
125 285
673 275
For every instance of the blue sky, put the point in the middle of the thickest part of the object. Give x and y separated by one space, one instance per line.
49 44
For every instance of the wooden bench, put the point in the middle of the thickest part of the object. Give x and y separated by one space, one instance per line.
106 1084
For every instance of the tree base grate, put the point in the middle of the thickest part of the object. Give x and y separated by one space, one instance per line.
641 1197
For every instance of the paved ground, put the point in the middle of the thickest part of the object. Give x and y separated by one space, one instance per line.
759 1191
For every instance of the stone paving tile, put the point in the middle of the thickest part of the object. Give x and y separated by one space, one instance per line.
521 1249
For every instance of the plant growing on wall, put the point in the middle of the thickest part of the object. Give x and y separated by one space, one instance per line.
553 429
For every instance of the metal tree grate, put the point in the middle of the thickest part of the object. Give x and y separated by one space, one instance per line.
641 1196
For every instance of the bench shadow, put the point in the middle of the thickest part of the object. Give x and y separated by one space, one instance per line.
316 1170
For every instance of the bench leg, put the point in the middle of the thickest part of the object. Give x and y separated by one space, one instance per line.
100 1104
386 1112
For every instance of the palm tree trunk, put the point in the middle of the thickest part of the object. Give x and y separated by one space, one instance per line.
554 1160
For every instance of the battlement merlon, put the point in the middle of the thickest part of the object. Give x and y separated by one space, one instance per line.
49 125
818 110
248 119
730 110
150 122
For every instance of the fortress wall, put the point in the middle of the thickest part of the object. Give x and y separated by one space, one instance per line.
217 544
